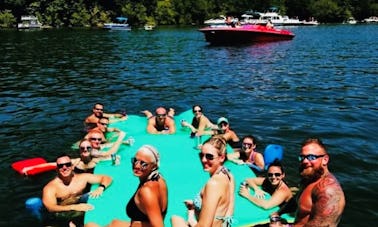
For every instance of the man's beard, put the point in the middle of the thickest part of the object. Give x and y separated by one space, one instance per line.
307 179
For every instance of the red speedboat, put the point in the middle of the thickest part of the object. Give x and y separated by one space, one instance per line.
244 34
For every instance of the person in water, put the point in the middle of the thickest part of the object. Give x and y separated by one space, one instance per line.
321 200
95 137
214 205
63 196
98 113
148 206
248 155
84 164
162 123
273 184
228 134
200 125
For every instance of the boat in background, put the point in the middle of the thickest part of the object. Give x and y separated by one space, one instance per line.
372 19
221 20
29 22
228 35
149 27
311 22
350 20
120 25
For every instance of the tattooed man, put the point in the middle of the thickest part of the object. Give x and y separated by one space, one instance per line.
321 199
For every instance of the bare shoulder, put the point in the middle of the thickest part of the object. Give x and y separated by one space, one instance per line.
328 184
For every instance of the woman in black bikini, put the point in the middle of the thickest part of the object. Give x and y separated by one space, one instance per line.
148 206
272 184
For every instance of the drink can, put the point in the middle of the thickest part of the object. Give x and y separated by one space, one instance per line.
114 158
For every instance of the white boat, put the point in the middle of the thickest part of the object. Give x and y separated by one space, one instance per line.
149 27
121 25
278 20
351 20
29 22
372 19
221 20
311 22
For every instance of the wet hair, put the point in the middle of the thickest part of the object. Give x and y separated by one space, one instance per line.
63 154
277 163
254 140
196 106
315 141
98 103
219 143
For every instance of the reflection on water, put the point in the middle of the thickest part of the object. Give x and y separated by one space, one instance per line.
323 83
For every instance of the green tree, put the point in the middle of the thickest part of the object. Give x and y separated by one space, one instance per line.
165 12
7 19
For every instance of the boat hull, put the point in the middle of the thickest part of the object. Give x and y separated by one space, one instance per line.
244 34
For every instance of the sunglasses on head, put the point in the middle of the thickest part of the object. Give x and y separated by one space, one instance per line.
89 149
274 174
61 165
310 157
197 111
208 156
143 164
94 139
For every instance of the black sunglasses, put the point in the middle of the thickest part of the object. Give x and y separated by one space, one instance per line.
105 124
161 115
143 164
274 174
99 109
94 139
208 156
197 111
247 145
89 149
310 157
61 165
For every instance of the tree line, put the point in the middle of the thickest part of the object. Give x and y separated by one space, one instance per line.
92 13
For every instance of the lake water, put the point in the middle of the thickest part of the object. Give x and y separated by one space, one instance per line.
322 83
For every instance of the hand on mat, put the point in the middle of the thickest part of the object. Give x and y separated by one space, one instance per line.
260 194
83 207
96 193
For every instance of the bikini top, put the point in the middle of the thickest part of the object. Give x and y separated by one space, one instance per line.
132 210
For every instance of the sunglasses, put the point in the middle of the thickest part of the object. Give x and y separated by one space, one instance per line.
61 165
94 139
104 124
208 156
82 149
161 115
247 145
197 111
99 109
223 124
310 157
143 164
275 219
274 174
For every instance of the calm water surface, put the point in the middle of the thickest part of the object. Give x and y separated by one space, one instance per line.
322 83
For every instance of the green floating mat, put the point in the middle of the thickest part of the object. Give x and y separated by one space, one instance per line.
179 165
